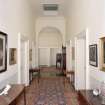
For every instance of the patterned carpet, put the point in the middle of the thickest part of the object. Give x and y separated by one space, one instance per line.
50 90
50 72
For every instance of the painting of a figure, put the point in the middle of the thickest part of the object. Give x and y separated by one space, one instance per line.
1 52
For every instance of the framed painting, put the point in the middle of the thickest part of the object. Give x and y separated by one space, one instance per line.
30 54
93 55
3 52
12 56
102 54
73 53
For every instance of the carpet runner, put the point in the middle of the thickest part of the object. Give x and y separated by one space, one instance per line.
51 92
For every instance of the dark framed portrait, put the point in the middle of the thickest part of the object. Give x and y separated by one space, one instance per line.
3 51
12 56
93 55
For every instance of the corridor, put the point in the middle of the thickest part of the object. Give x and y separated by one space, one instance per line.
68 34
51 90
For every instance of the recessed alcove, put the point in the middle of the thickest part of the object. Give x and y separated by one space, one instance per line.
49 44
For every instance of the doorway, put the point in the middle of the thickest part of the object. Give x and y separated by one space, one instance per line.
69 55
43 57
53 52
23 60
81 61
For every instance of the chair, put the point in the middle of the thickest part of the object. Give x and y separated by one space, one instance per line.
58 60
32 71
71 77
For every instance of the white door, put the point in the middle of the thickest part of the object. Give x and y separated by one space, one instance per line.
23 60
80 73
43 56
69 56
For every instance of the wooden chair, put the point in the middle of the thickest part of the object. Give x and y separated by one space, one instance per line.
31 73
59 60
71 78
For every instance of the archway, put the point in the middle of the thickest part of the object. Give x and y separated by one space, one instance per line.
49 44
50 37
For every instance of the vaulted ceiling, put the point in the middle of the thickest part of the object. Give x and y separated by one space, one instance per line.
57 7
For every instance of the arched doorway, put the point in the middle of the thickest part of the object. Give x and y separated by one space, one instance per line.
49 44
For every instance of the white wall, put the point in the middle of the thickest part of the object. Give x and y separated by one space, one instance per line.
54 22
15 17
43 56
47 55
88 14
50 37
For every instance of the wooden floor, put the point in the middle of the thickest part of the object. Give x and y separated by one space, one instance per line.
51 91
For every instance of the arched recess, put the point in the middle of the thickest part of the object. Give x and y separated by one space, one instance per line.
41 23
51 40
60 29
50 37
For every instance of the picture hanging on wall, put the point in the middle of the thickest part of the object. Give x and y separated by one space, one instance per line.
30 54
102 53
93 55
3 51
73 53
12 56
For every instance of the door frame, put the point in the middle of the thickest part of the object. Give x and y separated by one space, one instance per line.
22 38
48 56
69 55
80 35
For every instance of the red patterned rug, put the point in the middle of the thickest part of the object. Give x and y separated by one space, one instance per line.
51 92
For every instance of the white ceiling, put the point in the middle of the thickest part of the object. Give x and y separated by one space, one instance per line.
38 7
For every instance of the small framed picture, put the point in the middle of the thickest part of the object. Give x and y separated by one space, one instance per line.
30 54
3 51
12 56
93 55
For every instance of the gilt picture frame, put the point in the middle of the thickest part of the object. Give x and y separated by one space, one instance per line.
12 56
93 61
102 54
3 51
